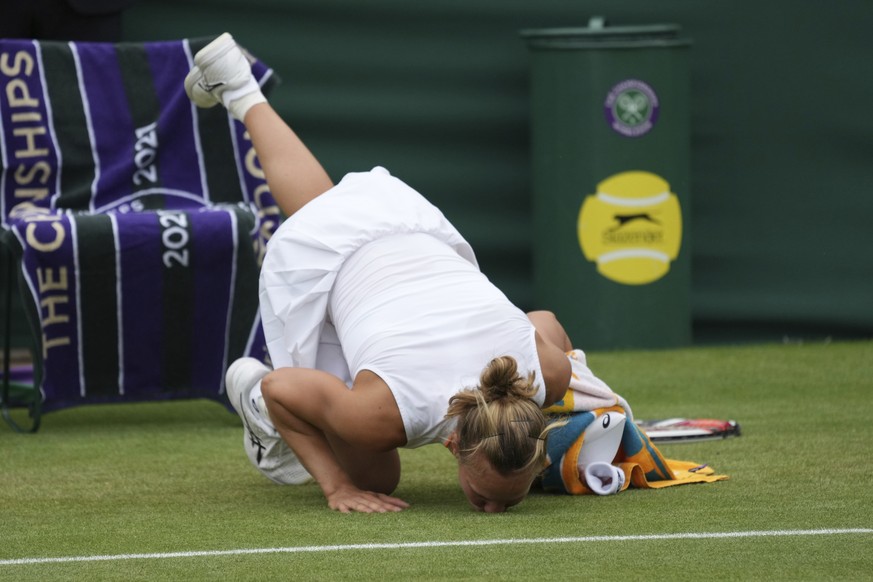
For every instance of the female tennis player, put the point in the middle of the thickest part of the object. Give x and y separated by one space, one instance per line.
381 330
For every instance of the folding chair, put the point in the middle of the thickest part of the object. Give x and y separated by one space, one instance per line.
135 223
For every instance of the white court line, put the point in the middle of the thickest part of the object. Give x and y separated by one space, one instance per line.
448 544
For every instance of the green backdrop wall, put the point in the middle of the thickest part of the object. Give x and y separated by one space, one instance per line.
438 92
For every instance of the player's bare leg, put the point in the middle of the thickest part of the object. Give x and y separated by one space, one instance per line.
222 75
293 173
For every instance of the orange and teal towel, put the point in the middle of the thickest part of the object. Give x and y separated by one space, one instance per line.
639 459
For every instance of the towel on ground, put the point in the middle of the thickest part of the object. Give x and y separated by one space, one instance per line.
643 465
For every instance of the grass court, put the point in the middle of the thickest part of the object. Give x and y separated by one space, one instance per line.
163 491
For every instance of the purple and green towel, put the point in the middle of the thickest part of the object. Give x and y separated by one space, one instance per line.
139 220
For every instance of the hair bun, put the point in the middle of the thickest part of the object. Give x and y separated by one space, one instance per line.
500 420
500 379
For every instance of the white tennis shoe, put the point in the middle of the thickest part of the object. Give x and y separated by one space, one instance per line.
264 446
222 73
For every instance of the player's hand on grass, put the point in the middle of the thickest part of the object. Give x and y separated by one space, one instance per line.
350 499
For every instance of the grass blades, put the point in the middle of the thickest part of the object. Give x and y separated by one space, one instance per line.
172 477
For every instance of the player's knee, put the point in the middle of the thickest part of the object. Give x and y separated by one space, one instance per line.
543 318
547 324
275 385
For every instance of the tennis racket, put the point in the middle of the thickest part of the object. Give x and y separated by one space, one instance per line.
677 430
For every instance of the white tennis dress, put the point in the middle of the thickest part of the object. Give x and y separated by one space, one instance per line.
372 268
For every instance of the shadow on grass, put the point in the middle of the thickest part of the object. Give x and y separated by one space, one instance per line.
108 418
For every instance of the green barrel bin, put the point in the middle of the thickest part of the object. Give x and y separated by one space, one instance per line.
611 194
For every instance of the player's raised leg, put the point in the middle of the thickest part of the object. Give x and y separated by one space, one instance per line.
293 173
222 74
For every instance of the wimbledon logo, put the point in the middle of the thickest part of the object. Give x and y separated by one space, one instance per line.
631 108
632 227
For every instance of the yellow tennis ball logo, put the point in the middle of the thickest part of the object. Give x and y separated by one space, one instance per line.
632 227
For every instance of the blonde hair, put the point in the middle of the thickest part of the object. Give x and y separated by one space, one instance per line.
500 420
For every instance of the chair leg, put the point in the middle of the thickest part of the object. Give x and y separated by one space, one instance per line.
7 331
35 405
